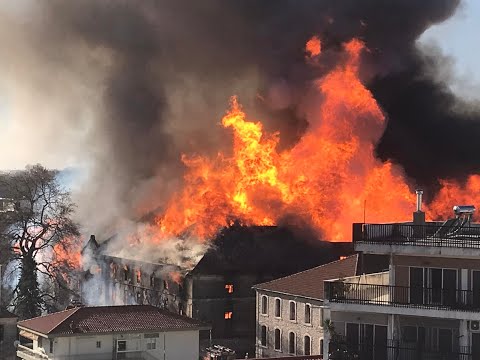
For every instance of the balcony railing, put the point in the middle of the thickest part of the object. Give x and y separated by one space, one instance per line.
402 296
448 234
393 349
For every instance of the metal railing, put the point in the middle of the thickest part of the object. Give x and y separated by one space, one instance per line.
23 350
27 353
402 296
393 349
430 234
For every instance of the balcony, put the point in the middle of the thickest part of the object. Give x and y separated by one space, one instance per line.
448 239
392 349
402 296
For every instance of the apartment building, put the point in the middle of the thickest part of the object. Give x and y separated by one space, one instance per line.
290 309
426 306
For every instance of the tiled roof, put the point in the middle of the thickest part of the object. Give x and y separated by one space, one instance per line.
309 283
108 319
4 313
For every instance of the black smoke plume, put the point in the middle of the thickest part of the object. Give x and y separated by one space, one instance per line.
160 74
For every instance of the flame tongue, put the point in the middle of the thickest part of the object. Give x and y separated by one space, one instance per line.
329 179
324 179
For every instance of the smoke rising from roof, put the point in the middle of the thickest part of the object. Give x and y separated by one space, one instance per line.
124 87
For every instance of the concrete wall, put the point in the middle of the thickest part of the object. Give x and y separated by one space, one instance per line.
299 327
9 336
177 345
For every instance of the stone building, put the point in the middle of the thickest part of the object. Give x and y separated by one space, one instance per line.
290 310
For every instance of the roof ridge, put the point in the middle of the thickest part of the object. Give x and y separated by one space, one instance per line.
314 268
68 317
42 316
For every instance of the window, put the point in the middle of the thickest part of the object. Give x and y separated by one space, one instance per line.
321 346
2 333
139 277
291 343
263 335
306 345
293 308
151 344
121 346
229 288
228 315
308 314
278 339
51 346
152 281
99 344
264 305
321 317
278 307
125 273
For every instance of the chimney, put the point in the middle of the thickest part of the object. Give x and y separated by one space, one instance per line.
419 215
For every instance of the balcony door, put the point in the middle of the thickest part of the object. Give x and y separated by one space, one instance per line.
476 288
433 286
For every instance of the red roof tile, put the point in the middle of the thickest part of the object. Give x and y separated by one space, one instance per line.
107 319
309 283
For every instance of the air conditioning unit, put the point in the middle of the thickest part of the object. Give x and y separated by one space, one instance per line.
474 325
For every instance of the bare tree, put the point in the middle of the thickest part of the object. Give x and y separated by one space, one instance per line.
40 224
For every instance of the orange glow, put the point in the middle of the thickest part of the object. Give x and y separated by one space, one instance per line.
229 288
228 315
326 178
176 277
343 257
67 252
313 46
139 276
329 178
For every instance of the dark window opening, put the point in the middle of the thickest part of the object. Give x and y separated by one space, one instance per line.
229 288
2 333
99 344
293 315
125 273
308 314
264 305
51 346
263 336
278 307
306 345
291 343
278 339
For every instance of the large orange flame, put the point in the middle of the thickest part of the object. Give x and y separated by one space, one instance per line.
330 178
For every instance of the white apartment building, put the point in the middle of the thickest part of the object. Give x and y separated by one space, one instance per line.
426 306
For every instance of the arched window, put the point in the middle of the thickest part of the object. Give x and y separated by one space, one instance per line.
321 347
293 312
278 339
264 305
306 345
278 307
263 335
308 314
291 343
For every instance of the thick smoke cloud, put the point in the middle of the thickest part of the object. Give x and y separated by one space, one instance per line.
125 87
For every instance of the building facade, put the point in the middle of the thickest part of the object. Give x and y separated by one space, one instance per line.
217 288
8 334
109 332
426 306
290 310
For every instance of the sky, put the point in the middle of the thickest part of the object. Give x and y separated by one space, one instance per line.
457 37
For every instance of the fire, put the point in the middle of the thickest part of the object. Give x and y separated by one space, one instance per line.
176 277
313 46
67 252
330 178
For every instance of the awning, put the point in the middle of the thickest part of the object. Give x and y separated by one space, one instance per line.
28 335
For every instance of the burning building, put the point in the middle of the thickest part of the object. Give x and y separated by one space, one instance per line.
218 288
